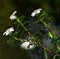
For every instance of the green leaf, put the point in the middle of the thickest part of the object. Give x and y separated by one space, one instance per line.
36 22
45 54
50 35
22 34
11 41
54 57
36 33
58 48
43 13
21 18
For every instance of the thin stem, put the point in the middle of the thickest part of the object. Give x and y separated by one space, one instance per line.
34 37
48 50
23 26
50 28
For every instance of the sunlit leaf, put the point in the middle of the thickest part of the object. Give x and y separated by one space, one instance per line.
50 35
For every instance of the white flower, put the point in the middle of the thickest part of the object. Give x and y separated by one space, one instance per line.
37 11
12 17
26 45
8 31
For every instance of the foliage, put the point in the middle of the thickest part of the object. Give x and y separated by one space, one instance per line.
23 30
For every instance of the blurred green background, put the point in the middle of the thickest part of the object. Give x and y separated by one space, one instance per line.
24 7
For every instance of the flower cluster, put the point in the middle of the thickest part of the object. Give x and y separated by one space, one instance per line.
26 45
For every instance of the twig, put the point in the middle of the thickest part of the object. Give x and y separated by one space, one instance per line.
23 26
55 34
34 37
48 50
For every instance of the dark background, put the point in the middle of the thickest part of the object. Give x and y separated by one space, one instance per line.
24 7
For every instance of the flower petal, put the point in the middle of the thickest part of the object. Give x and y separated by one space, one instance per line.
26 45
8 31
12 17
11 29
37 11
